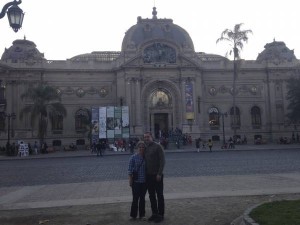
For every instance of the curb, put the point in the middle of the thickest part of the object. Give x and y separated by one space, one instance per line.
246 216
182 150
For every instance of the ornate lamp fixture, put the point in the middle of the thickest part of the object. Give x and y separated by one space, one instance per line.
14 13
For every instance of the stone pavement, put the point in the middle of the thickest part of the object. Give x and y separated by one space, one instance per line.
188 148
182 190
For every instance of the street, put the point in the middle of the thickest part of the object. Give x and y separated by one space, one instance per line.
114 168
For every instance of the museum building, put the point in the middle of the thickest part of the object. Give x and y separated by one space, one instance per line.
163 81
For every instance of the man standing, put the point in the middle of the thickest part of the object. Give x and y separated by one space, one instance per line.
155 162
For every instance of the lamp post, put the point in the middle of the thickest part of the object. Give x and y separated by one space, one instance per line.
14 13
222 115
9 117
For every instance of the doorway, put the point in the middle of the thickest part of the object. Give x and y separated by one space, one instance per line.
160 124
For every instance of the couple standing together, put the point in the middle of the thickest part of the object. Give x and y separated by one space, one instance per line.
145 172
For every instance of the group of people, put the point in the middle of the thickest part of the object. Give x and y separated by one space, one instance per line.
145 172
14 149
99 147
204 144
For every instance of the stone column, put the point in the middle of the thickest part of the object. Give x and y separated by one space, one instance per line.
182 82
133 103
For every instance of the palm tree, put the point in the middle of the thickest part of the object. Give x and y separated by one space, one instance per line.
45 101
235 37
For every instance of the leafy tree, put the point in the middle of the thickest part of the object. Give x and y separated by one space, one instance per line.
86 121
236 38
45 101
293 96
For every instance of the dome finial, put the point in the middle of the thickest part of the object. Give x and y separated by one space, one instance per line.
154 13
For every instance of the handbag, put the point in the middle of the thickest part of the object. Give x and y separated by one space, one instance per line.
135 174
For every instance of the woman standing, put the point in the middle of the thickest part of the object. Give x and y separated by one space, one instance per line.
137 181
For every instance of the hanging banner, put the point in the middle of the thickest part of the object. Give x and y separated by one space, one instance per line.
189 102
125 121
95 124
117 122
102 122
110 122
110 114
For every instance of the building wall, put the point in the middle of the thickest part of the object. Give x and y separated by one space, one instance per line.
83 85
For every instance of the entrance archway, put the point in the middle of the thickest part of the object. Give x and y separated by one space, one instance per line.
161 111
161 127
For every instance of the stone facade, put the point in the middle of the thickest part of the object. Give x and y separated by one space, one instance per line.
165 83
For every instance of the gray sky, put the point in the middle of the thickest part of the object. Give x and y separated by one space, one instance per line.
62 29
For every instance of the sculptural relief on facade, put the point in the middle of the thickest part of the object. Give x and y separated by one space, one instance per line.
103 92
160 99
159 53
80 92
240 90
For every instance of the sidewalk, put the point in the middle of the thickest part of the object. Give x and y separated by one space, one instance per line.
187 148
204 200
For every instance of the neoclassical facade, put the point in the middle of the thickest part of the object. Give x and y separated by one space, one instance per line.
163 81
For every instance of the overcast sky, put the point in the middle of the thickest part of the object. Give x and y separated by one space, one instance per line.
62 29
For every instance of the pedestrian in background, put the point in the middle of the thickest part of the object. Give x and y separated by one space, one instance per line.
198 144
210 144
137 182
155 162
35 148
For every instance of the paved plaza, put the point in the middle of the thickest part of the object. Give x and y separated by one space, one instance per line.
188 199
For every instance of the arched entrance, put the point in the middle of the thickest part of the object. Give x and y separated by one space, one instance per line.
161 126
161 108
160 112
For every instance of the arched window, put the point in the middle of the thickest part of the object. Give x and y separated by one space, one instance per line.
235 119
57 120
255 117
160 99
213 119
82 119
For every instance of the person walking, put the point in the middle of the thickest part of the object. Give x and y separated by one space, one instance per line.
198 144
210 144
137 182
35 148
155 162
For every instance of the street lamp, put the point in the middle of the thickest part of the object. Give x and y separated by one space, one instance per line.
222 115
14 13
9 117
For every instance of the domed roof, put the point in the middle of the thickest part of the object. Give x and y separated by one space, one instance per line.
149 29
22 51
276 52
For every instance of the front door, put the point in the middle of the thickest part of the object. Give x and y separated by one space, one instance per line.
160 124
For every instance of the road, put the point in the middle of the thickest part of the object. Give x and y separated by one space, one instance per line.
114 168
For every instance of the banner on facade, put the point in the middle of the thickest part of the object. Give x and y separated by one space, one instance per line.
189 101
125 121
102 122
118 122
95 124
110 122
